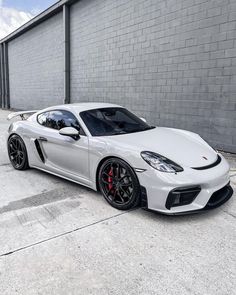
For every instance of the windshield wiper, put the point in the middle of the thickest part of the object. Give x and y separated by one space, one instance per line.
131 131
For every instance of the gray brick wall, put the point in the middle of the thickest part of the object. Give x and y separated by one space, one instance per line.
173 61
36 66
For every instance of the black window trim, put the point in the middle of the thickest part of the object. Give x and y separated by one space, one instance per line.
54 110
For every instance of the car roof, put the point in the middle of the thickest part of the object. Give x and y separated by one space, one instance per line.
82 106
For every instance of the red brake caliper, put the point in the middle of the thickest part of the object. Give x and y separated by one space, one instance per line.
110 186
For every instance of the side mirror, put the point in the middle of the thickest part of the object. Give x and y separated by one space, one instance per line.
70 131
143 119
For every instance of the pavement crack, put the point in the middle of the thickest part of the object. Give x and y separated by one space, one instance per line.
64 234
8 253
5 164
228 213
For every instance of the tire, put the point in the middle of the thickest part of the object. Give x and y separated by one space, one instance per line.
17 152
119 184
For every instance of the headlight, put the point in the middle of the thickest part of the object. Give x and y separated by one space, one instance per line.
160 163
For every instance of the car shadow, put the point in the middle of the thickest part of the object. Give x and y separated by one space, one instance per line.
181 218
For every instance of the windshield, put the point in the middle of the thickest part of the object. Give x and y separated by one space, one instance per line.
112 121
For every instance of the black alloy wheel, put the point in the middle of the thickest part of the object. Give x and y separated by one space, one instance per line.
119 184
17 153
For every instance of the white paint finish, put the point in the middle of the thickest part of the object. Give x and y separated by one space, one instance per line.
78 160
183 147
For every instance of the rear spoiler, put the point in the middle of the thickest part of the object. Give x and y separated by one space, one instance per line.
21 114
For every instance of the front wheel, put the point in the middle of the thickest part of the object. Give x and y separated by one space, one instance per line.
119 184
17 152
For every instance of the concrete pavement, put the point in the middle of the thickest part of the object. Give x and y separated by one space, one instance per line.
61 238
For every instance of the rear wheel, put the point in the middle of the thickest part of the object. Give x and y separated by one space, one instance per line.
119 184
17 152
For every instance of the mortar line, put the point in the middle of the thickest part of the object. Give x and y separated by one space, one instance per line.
64 234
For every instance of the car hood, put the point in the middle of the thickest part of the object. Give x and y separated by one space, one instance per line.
183 147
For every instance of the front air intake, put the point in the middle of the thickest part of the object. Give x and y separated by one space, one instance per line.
182 196
220 197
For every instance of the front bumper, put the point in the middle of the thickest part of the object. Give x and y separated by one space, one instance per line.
216 200
214 184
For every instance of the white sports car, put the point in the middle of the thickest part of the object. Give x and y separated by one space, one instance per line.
107 148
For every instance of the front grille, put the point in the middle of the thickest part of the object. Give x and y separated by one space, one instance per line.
220 197
217 162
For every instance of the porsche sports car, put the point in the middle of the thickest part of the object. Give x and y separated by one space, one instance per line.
109 149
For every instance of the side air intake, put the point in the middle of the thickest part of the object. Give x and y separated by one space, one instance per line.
39 150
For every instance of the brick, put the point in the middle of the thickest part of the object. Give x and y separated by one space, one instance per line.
214 11
226 44
232 16
230 52
225 27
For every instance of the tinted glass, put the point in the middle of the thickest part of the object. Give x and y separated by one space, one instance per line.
59 119
42 118
112 121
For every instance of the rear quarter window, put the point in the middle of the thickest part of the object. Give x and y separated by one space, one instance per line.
42 118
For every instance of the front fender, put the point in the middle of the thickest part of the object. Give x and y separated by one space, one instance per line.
100 150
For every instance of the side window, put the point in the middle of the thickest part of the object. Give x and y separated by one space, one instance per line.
55 120
59 119
42 118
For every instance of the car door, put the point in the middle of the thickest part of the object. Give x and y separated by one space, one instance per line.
63 154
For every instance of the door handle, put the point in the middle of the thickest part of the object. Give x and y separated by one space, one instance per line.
43 138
